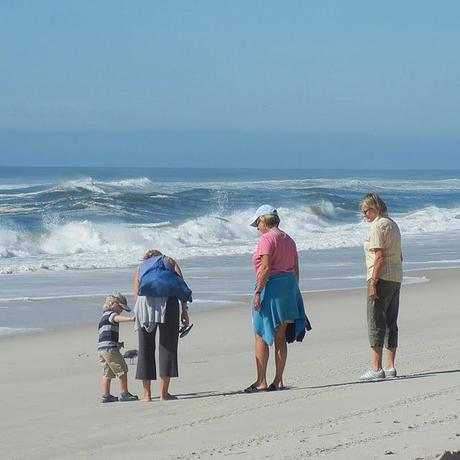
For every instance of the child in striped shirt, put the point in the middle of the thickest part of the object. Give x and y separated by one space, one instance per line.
108 348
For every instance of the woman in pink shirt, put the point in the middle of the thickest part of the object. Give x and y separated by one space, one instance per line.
278 314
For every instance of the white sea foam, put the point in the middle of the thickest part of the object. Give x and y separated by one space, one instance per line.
98 186
217 302
51 297
86 183
86 245
144 183
158 224
327 278
14 209
8 331
348 184
430 219
22 195
15 186
442 261
138 182
15 243
415 279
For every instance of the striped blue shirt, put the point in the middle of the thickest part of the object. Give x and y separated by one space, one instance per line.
108 331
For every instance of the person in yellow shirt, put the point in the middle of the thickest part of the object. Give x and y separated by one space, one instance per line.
382 249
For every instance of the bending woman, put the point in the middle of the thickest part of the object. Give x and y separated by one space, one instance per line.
278 312
154 313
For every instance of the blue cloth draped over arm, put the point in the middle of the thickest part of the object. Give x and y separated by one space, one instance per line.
281 301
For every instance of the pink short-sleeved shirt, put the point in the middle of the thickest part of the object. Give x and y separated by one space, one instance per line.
281 247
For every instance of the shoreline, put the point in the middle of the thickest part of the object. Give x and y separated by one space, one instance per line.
228 305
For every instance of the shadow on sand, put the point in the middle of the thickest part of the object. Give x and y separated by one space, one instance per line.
364 382
210 394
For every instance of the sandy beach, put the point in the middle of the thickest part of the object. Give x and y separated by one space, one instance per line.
50 389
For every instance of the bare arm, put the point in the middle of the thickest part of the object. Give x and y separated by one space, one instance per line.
175 266
262 279
184 315
124 319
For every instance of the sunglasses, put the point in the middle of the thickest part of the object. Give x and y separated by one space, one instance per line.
184 330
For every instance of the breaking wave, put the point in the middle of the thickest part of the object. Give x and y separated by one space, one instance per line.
84 244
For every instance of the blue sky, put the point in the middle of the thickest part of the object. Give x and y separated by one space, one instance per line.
230 83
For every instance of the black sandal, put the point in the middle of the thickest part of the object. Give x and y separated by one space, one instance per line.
273 387
253 389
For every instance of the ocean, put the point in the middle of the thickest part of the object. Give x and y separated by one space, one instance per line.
69 236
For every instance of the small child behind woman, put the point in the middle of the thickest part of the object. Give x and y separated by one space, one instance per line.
108 348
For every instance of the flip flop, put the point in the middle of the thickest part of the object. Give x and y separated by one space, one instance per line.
273 387
253 389
183 331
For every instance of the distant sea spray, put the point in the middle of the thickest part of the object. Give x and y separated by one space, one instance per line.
57 223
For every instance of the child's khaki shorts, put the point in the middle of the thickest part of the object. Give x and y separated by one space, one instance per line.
113 363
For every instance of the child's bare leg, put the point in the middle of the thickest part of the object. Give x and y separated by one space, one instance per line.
164 387
124 383
106 386
147 390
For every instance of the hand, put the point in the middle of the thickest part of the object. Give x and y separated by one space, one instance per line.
372 291
256 302
133 318
184 319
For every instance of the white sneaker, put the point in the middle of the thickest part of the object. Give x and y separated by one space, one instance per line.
370 374
390 373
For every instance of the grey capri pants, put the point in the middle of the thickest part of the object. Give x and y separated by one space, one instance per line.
382 315
169 336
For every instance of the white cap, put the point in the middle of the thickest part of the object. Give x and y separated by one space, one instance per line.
264 210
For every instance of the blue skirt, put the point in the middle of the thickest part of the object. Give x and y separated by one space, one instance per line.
281 301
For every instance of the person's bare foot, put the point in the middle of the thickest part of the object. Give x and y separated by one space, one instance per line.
168 397
147 398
